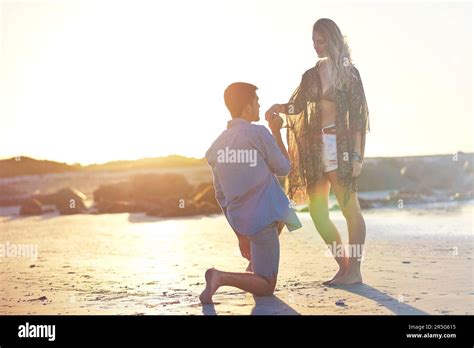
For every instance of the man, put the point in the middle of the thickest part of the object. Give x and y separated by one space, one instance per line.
245 159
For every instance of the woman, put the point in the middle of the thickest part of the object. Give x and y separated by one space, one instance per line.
327 119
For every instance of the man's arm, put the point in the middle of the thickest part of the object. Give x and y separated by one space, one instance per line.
244 243
357 143
275 125
272 148
275 122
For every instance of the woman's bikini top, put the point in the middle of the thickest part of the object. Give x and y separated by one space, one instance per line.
330 93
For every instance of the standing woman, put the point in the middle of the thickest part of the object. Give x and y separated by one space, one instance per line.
327 120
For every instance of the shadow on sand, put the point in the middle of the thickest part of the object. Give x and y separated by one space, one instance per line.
268 305
272 305
381 298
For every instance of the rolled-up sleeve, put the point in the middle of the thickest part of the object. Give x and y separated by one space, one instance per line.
267 146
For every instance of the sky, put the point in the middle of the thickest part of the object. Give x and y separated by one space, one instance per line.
95 81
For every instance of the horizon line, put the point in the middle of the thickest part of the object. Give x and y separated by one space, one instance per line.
201 158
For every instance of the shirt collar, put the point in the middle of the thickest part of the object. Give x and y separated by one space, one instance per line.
236 122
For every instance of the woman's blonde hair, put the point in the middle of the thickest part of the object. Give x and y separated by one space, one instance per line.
338 51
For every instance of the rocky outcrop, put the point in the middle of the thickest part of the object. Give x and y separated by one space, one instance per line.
67 201
31 207
160 195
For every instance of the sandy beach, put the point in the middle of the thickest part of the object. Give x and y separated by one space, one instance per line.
417 261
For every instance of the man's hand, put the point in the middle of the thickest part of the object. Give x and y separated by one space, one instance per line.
275 124
244 246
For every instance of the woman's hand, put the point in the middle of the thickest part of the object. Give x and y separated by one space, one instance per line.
356 168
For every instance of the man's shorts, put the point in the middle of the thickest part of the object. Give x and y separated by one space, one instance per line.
265 251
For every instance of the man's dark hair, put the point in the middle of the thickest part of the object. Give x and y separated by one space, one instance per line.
237 95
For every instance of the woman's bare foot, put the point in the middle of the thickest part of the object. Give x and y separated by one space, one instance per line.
212 284
343 264
340 273
349 278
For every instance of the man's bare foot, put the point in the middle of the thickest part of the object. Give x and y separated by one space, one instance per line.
340 273
349 278
212 284
249 267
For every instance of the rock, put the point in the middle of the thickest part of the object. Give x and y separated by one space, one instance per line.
70 201
201 187
105 207
174 208
206 208
31 207
160 195
155 194
206 200
67 201
121 191
154 211
152 188
205 193
177 208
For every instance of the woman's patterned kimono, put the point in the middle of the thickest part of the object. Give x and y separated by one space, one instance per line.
305 139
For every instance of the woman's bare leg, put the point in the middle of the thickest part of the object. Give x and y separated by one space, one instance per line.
319 210
356 228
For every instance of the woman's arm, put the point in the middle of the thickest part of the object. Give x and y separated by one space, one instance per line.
358 143
358 115
297 101
359 123
299 98
357 154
